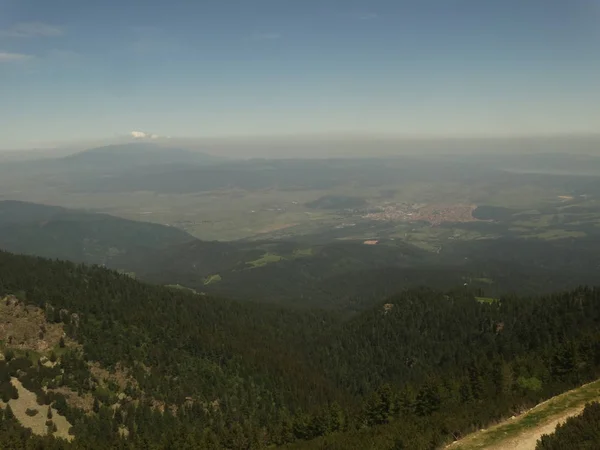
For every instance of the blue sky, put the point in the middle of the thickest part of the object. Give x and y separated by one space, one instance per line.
74 70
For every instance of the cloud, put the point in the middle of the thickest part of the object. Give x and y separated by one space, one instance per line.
13 57
32 29
143 135
266 36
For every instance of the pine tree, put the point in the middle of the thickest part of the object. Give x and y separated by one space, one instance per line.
399 445
375 410
336 417
118 416
428 400
8 413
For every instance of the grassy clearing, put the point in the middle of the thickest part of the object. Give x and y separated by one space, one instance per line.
37 423
32 355
521 197
26 331
59 351
181 288
551 235
505 434
425 238
302 252
519 230
267 258
212 279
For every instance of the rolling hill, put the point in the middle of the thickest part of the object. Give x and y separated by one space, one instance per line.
80 236
308 272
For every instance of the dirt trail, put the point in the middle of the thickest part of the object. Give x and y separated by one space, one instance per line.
528 439
523 432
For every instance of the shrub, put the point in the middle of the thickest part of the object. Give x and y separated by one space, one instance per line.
8 391
9 354
42 398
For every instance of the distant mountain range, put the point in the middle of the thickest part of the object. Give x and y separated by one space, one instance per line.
139 154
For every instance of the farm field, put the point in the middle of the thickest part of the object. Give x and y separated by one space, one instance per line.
289 199
305 222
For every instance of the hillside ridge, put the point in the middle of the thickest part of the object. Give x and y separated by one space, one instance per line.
523 431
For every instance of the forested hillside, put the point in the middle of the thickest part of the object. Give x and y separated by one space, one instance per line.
417 370
82 236
316 271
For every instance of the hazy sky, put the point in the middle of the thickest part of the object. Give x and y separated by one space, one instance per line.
82 69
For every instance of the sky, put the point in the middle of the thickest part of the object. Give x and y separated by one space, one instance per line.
78 70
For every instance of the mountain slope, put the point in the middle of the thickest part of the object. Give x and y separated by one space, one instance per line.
80 236
135 155
523 432
283 271
423 368
338 274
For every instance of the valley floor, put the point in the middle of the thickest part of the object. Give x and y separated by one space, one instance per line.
523 432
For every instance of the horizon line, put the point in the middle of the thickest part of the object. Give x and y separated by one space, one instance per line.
253 138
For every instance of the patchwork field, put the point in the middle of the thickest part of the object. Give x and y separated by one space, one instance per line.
428 202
